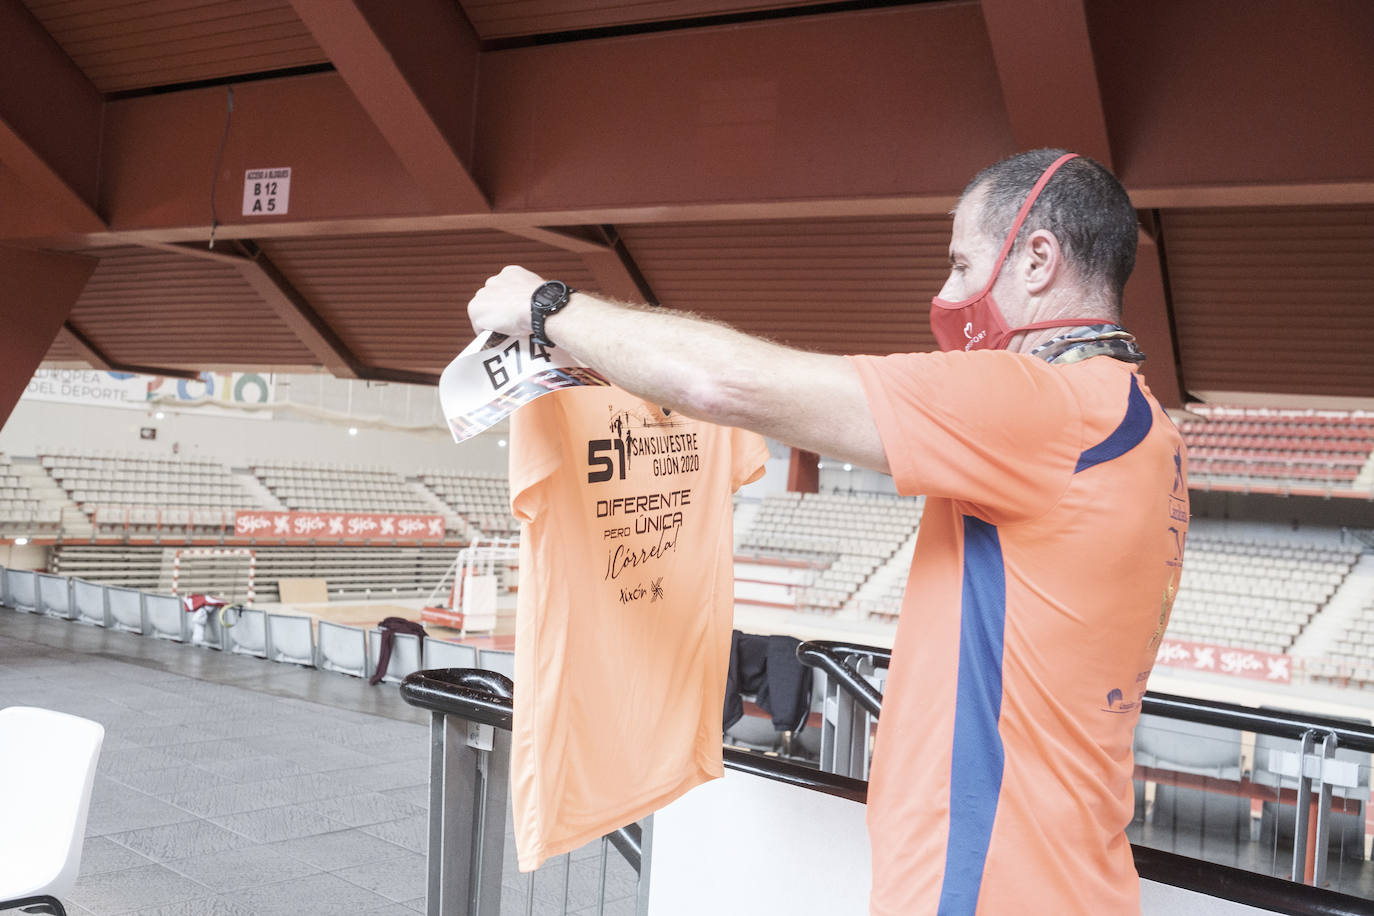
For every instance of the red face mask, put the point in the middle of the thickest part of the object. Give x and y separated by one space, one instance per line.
977 323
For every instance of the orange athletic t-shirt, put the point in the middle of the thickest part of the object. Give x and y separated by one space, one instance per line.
1045 570
624 611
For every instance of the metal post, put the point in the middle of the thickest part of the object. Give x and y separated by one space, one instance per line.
646 849
1328 753
1303 812
601 891
468 767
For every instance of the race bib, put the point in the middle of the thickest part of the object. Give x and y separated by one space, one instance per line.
497 374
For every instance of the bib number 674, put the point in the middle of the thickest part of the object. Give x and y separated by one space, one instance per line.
498 366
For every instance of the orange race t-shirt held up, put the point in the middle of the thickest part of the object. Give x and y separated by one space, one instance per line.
1049 554
624 611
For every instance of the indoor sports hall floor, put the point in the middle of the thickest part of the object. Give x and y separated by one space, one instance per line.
231 786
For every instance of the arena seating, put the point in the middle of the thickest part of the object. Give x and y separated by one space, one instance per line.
849 536
126 494
1350 659
1281 451
352 573
340 487
22 511
121 479
1254 594
482 501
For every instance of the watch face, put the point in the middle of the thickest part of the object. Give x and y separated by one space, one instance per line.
550 294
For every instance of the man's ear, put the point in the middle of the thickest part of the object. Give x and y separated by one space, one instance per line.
1044 261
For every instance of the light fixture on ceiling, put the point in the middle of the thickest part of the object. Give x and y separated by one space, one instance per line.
20 542
501 443
353 430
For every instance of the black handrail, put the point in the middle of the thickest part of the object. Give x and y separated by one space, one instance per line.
1246 887
470 693
1266 721
484 696
779 769
881 657
829 657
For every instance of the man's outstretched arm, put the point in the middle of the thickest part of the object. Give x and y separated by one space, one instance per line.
703 369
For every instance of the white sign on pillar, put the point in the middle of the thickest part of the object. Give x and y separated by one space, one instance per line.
266 192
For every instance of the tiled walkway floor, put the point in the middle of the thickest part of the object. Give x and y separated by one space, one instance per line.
231 786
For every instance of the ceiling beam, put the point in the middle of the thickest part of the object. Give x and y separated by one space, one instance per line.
577 239
604 253
288 304
40 289
617 275
1147 314
413 68
50 122
1049 80
922 101
98 360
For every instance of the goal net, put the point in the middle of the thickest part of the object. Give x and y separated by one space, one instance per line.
225 572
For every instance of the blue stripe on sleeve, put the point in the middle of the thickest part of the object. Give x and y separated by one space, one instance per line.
1134 427
976 768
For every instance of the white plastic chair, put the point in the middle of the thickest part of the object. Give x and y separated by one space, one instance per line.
47 768
291 639
54 595
343 648
440 653
165 617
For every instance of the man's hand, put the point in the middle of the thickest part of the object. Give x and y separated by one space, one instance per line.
503 304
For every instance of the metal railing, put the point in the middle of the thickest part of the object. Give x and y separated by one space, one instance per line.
857 704
469 760
470 747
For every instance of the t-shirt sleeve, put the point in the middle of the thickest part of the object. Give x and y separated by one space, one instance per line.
997 430
749 454
535 433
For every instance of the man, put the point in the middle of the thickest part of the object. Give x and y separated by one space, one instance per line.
1047 559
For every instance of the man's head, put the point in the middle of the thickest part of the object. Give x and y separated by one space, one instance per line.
1073 253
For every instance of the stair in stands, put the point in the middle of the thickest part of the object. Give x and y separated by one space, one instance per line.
262 497
1345 606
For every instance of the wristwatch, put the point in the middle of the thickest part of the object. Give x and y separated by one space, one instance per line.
547 300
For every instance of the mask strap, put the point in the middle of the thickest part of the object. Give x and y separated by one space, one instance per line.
1021 214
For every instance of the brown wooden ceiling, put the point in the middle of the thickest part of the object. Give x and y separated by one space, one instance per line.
508 18
136 44
152 308
1281 293
840 286
785 165
399 300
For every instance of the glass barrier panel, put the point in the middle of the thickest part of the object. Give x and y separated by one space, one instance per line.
569 884
1230 797
1348 866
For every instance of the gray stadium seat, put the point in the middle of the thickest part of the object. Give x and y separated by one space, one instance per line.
248 634
405 654
440 653
21 590
165 617
88 603
55 596
498 661
343 648
126 609
291 639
